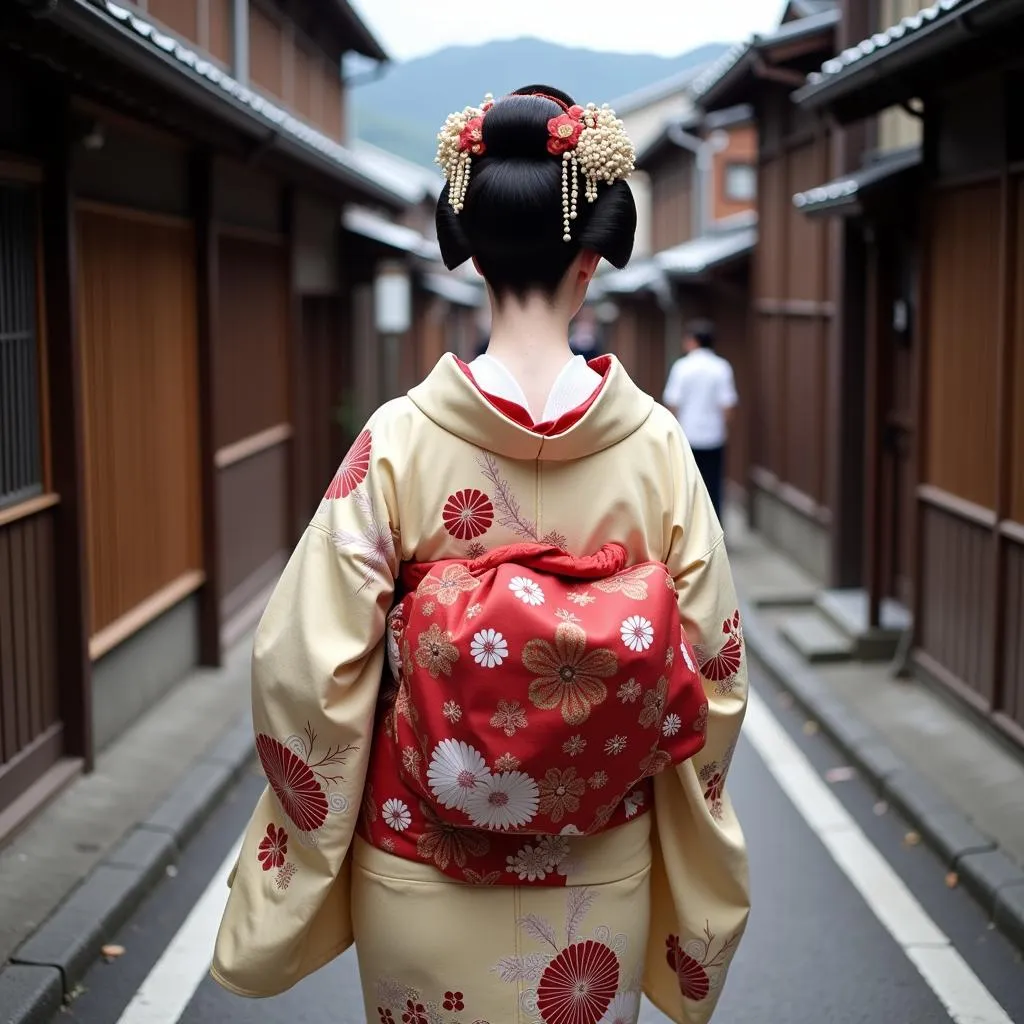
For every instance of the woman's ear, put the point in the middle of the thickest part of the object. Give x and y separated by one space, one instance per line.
587 265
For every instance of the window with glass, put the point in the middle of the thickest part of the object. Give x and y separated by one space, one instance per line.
740 183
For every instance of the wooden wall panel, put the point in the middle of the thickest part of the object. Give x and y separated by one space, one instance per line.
28 634
637 338
793 294
133 169
958 620
252 342
734 344
805 244
1013 634
623 335
672 201
137 326
771 399
804 429
433 316
248 199
266 52
1017 402
964 329
180 15
219 33
653 368
307 83
332 113
769 266
252 504
318 434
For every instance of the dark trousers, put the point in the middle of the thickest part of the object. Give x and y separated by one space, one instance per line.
711 463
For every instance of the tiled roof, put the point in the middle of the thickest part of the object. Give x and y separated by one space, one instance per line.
910 25
731 239
372 225
637 277
719 68
196 66
414 182
712 250
788 32
845 190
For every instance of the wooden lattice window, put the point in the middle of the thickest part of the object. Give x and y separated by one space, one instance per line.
21 462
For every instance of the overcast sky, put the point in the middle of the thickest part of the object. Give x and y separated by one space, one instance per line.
411 28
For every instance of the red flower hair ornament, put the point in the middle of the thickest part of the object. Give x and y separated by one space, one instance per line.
564 131
590 140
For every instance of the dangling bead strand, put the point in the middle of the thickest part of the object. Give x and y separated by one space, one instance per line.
567 206
460 182
575 190
599 150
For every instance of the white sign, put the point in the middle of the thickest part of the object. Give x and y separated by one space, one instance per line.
392 300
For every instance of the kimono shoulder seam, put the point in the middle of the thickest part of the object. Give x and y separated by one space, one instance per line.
711 551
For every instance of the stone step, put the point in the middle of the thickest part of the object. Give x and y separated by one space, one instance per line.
847 610
816 638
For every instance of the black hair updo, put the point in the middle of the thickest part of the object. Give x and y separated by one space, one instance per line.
512 218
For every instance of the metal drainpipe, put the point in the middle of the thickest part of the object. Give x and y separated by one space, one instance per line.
716 142
240 38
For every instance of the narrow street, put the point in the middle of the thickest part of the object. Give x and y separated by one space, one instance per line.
852 922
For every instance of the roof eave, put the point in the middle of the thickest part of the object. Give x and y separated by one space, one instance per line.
363 40
87 21
707 270
848 93
848 206
854 196
674 135
731 89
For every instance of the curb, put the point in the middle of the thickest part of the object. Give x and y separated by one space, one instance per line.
990 876
45 969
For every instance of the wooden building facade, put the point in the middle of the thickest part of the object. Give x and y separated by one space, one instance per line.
701 178
795 341
180 320
944 335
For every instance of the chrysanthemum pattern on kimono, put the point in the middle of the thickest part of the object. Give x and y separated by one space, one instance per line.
439 475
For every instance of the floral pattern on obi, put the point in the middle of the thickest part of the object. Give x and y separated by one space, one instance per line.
522 710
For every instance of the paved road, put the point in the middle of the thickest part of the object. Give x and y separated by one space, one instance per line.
838 935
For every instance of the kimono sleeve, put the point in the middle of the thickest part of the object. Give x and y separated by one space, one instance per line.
700 892
316 670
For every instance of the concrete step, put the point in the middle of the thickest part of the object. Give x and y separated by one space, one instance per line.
847 610
815 638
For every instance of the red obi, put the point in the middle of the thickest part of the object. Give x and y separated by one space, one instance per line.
535 695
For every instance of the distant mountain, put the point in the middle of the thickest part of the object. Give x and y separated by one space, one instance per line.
403 110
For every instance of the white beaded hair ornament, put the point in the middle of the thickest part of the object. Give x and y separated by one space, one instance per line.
590 139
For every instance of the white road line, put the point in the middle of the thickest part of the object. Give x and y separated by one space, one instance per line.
926 946
170 985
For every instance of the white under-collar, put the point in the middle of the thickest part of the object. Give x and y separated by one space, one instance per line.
575 383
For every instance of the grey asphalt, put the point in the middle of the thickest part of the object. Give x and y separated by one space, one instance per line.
814 952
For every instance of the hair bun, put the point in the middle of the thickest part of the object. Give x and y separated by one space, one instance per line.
530 180
517 125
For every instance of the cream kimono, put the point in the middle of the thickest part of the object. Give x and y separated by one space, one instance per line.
657 905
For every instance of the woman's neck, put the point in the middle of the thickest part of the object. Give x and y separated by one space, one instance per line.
530 338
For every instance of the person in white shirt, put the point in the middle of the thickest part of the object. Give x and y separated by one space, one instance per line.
701 392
